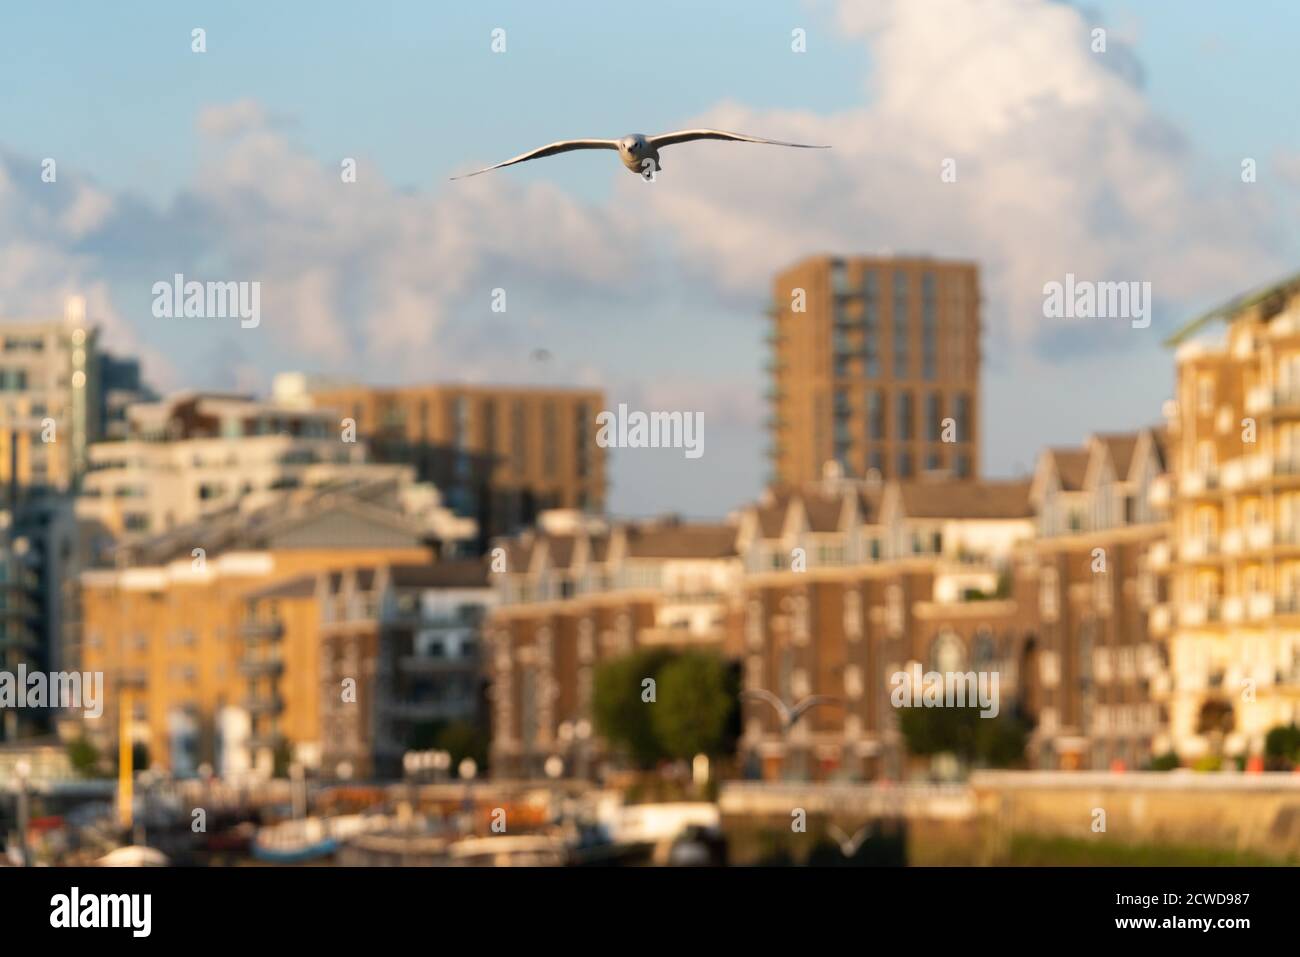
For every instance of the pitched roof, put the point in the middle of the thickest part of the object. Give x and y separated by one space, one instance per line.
234 528
301 586
1120 447
459 573
1071 467
1160 439
963 498
823 511
681 541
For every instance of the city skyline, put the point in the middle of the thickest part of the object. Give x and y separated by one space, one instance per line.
394 281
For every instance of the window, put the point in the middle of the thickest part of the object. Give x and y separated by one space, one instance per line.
876 414
1205 394
947 653
901 357
550 429
933 416
582 423
904 465
904 430
519 438
929 328
961 417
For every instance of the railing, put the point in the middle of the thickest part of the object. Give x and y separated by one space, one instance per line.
262 629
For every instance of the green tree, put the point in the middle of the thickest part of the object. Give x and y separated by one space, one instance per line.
621 715
929 731
697 695
84 757
1282 744
1000 742
1165 762
464 739
990 742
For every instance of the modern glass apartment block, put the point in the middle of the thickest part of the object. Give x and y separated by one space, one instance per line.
875 366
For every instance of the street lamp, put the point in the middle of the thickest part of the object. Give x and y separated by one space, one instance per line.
582 731
440 761
23 769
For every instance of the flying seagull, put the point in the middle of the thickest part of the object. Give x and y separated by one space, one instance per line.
788 714
849 845
639 153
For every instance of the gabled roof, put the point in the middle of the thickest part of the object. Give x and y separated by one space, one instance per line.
1071 465
682 541
964 498
460 573
824 509
1121 448
301 586
235 529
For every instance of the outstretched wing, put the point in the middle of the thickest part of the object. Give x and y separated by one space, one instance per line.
808 703
761 695
686 136
563 146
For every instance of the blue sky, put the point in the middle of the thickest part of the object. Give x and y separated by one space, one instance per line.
649 294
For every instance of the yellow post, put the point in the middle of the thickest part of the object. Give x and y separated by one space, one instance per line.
124 779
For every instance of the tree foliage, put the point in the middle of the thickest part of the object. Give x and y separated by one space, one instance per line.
989 742
693 711
697 695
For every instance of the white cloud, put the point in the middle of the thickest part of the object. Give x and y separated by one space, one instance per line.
1062 165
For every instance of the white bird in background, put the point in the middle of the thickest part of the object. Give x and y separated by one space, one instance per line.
789 715
639 153
849 845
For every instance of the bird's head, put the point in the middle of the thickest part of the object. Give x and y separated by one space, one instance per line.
629 144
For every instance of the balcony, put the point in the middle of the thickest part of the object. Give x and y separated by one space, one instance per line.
1205 612
1259 606
262 629
429 665
1159 495
261 667
1258 537
264 703
1287 400
1199 482
1199 549
442 709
